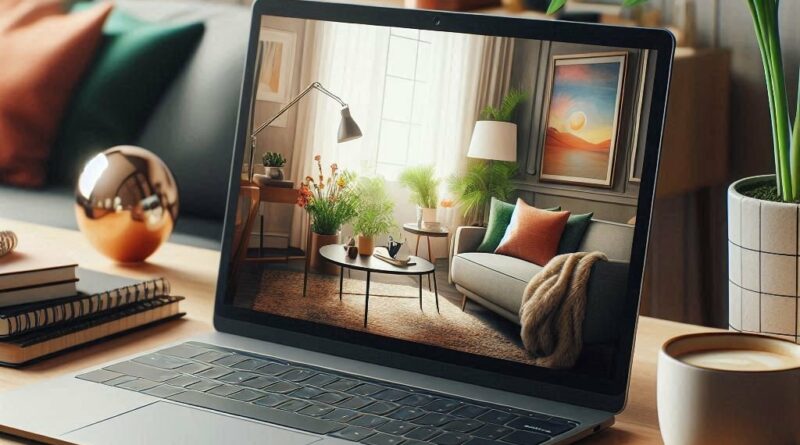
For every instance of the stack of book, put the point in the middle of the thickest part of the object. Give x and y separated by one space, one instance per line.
49 305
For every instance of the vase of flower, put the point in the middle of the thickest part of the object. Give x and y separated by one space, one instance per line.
330 203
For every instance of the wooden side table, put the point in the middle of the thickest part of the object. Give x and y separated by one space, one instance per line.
442 232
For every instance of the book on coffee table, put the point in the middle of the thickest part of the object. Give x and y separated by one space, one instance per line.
34 273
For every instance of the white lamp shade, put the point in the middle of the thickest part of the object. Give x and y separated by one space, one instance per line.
494 140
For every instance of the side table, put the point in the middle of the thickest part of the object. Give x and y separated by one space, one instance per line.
441 232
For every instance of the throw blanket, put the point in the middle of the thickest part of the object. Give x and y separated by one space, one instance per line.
553 308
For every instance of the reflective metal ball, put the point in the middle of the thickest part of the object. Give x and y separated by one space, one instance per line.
126 203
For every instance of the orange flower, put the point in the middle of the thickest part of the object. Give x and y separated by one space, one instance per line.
447 203
317 158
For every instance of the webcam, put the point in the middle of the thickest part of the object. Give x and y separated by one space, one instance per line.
437 21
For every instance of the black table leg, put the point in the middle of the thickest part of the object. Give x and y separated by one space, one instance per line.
305 280
420 292
435 290
341 281
366 301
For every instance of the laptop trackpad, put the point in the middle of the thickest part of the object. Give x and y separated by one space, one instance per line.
163 422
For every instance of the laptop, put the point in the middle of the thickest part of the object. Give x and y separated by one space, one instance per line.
334 349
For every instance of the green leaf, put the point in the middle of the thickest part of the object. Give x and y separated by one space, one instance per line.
630 3
555 5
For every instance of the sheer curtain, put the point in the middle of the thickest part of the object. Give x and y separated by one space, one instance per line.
468 72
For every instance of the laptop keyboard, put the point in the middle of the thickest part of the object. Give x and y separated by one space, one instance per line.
322 401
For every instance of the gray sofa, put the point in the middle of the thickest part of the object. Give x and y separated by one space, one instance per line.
192 129
497 282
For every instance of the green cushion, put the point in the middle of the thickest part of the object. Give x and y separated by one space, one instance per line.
573 232
134 67
499 218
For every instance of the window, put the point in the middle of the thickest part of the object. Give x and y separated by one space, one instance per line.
405 97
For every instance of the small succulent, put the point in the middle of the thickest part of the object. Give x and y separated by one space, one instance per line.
271 159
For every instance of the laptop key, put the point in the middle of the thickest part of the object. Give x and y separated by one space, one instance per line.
342 384
491 432
316 410
396 427
193 368
480 441
182 381
364 390
224 390
183 351
353 433
274 369
137 385
211 356
99 376
450 439
298 375
293 405
442 405
391 395
162 361
470 411
230 360
203 385
214 372
383 439
163 391
341 415
368 421
540 426
380 408
422 433
281 387
118 380
307 392
525 438
416 400
238 377
250 364
256 412
407 413
246 395
331 398
355 402
143 371
271 400
262 381
320 380
433 419
497 417
463 426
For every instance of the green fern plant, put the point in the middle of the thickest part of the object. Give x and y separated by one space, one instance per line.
422 182
374 207
505 112
481 182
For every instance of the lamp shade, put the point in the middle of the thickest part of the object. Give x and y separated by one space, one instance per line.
494 140
348 128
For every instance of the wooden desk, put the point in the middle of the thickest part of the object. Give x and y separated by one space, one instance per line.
193 272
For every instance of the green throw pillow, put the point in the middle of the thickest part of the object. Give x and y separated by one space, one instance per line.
135 65
499 218
573 232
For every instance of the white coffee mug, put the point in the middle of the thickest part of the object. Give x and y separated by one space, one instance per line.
729 388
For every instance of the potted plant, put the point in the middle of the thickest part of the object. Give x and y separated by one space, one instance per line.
375 212
484 179
330 203
422 182
273 165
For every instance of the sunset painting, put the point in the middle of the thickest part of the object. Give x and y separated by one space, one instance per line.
582 119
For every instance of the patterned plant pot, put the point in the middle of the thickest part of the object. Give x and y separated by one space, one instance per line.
317 263
763 263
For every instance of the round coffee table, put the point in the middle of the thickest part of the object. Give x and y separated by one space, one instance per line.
336 254
441 232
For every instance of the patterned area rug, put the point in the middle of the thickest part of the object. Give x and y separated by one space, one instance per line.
393 311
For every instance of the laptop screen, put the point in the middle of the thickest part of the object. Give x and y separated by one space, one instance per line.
462 197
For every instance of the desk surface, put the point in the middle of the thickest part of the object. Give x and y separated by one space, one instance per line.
192 273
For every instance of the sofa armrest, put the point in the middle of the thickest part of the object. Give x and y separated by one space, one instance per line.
467 239
605 300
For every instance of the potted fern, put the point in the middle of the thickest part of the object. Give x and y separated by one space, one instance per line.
375 213
487 179
422 182
273 165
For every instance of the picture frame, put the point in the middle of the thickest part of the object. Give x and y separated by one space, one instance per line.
583 102
634 174
277 66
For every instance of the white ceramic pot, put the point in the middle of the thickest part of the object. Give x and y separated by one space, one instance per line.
729 400
428 215
763 264
274 173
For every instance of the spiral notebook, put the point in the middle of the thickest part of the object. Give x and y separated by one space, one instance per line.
58 339
97 293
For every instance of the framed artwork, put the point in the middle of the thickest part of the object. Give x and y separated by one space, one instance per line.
277 65
635 174
583 104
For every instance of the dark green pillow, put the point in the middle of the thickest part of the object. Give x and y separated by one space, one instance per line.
135 65
499 218
573 232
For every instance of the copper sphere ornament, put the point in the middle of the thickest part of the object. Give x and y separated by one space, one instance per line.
126 203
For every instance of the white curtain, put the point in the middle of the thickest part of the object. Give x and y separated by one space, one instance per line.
468 72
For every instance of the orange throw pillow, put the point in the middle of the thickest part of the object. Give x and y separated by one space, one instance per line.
533 234
43 54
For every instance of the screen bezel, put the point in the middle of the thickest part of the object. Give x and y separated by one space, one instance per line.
583 390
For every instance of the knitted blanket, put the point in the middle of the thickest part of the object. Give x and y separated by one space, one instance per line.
553 308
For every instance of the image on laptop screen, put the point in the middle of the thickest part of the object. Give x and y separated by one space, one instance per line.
489 186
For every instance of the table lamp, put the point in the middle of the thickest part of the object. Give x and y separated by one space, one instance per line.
494 140
348 128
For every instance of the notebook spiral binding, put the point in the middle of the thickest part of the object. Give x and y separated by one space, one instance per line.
31 319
